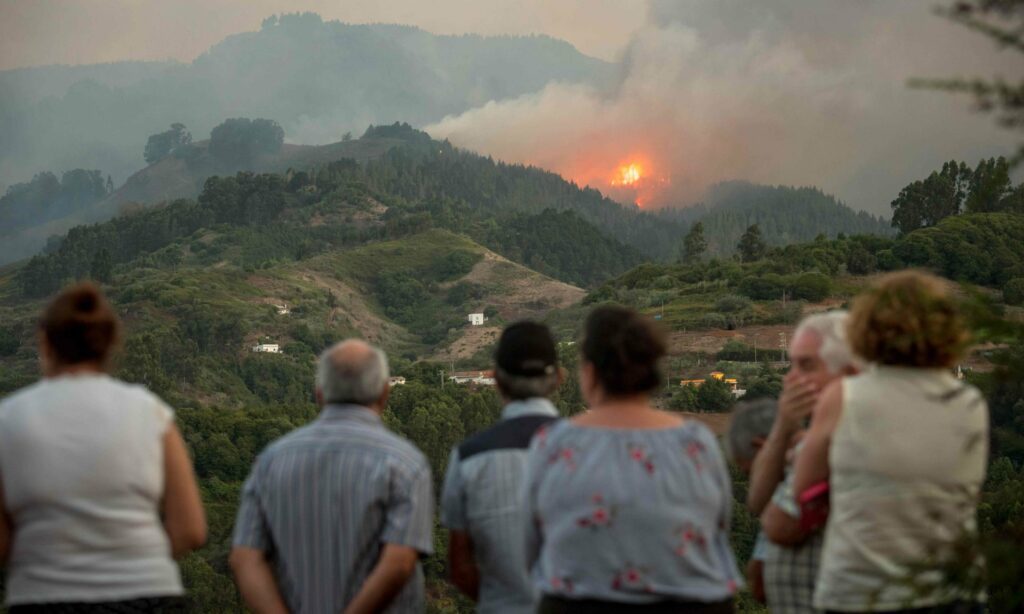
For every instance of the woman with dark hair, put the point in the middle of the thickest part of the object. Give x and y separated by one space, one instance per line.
97 492
904 447
628 506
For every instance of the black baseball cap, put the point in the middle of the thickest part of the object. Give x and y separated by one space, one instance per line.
526 348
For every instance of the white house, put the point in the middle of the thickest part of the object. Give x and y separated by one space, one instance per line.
282 310
476 319
270 348
477 378
396 380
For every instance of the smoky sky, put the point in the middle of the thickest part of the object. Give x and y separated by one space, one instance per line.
775 91
790 92
41 32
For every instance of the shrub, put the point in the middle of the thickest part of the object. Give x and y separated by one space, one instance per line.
887 260
1013 291
713 319
762 287
731 303
812 287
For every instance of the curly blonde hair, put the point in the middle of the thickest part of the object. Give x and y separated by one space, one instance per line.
908 319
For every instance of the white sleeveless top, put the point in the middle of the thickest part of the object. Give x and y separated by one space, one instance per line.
907 462
81 458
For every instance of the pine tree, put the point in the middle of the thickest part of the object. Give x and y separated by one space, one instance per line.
751 246
694 245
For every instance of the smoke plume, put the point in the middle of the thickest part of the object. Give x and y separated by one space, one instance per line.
778 91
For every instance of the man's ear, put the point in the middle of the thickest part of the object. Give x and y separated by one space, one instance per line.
758 442
382 400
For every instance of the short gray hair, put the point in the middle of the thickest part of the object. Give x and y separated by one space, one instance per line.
750 420
835 349
352 372
519 387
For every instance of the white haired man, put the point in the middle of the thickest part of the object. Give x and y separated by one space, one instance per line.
819 354
342 506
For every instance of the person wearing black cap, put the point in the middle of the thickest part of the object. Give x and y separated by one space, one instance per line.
480 502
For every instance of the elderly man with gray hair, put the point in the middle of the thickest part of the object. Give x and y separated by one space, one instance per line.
481 503
819 354
336 515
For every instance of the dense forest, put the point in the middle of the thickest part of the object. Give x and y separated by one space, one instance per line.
784 215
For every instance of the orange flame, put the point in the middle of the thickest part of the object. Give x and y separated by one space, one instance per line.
628 174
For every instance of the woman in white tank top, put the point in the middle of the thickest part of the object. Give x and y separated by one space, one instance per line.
904 446
97 493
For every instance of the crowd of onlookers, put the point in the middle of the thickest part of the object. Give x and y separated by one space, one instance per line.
864 474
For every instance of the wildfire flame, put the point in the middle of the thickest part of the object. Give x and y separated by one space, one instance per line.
628 174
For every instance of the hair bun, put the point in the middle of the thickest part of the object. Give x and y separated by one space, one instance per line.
80 326
85 299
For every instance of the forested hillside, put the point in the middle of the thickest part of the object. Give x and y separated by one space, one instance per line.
785 215
318 79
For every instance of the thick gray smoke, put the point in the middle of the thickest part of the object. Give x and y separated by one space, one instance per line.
777 91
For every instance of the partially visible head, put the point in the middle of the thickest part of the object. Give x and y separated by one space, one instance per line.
526 362
751 423
78 329
909 319
353 372
621 353
820 351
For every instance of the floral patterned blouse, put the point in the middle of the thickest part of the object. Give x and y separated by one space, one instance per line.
634 516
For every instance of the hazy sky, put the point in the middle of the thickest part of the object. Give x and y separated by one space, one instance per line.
37 32
799 92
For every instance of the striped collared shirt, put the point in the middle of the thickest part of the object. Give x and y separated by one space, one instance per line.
323 500
482 497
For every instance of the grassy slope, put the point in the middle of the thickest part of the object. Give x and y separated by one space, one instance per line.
154 300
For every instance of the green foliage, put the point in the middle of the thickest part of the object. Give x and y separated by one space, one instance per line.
1013 291
785 215
990 186
926 203
694 245
102 266
240 140
812 286
9 341
732 303
956 189
46 198
684 398
163 144
560 244
751 246
714 396
736 350
762 287
977 248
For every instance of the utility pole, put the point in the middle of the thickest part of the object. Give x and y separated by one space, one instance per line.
440 372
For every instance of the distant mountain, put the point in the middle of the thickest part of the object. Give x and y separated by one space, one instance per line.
317 79
784 214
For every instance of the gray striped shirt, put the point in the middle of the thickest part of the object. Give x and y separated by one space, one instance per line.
323 500
482 496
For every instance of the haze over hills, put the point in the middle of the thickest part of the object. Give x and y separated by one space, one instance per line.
422 169
317 79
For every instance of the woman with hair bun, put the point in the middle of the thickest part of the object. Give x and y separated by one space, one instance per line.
904 446
97 492
628 506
